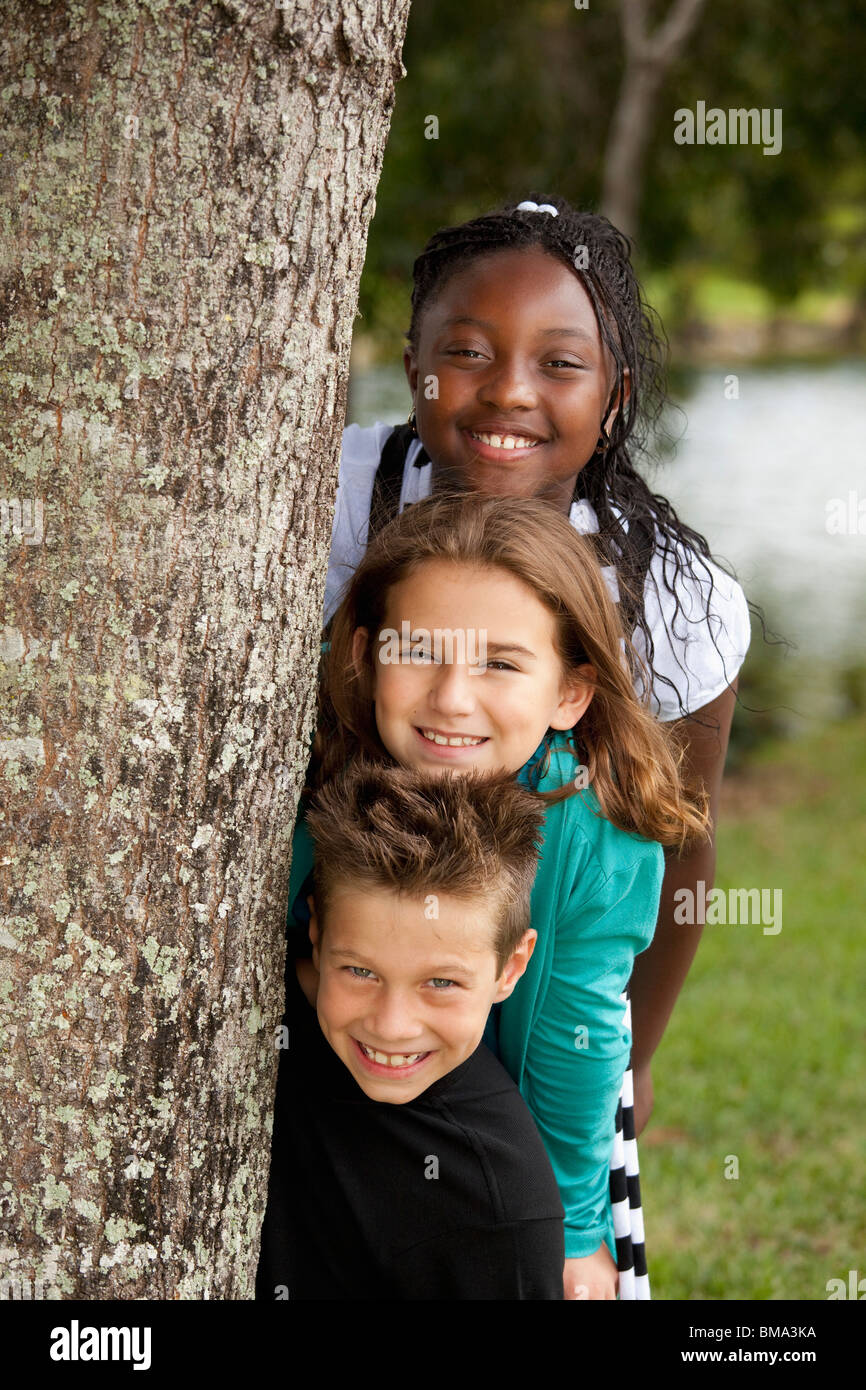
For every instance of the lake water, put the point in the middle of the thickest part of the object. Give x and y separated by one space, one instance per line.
760 475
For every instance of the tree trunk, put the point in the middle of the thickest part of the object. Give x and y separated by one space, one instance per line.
648 59
186 192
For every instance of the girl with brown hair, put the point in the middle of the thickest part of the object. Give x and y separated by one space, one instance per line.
479 632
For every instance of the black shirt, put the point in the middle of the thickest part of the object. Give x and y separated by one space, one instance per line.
450 1196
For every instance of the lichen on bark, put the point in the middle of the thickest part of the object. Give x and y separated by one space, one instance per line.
185 191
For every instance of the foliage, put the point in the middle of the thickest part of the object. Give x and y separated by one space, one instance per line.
523 95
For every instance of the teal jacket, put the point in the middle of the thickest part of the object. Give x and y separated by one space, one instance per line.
561 1033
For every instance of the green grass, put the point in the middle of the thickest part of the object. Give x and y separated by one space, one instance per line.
764 1057
719 299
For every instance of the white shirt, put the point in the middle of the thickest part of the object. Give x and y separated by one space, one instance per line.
700 649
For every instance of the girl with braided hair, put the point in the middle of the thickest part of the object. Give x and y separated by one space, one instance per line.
536 370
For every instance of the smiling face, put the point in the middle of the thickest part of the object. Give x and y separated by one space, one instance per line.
461 713
403 999
514 345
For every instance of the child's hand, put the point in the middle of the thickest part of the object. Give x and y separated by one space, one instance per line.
590 1276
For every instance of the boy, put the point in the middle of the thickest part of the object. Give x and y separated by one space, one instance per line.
405 1164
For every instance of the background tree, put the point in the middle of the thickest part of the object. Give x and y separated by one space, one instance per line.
186 191
648 56
525 97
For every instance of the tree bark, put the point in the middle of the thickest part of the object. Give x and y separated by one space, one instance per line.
648 59
186 193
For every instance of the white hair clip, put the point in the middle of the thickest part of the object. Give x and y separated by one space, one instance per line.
527 206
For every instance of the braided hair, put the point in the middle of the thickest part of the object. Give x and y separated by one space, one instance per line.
633 521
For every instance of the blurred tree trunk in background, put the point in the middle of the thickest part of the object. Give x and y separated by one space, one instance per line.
186 192
648 58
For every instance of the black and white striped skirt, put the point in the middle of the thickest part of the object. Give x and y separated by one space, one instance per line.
625 1192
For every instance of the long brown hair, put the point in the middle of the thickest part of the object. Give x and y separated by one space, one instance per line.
632 761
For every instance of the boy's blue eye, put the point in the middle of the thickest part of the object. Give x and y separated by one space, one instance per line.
437 981
359 972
